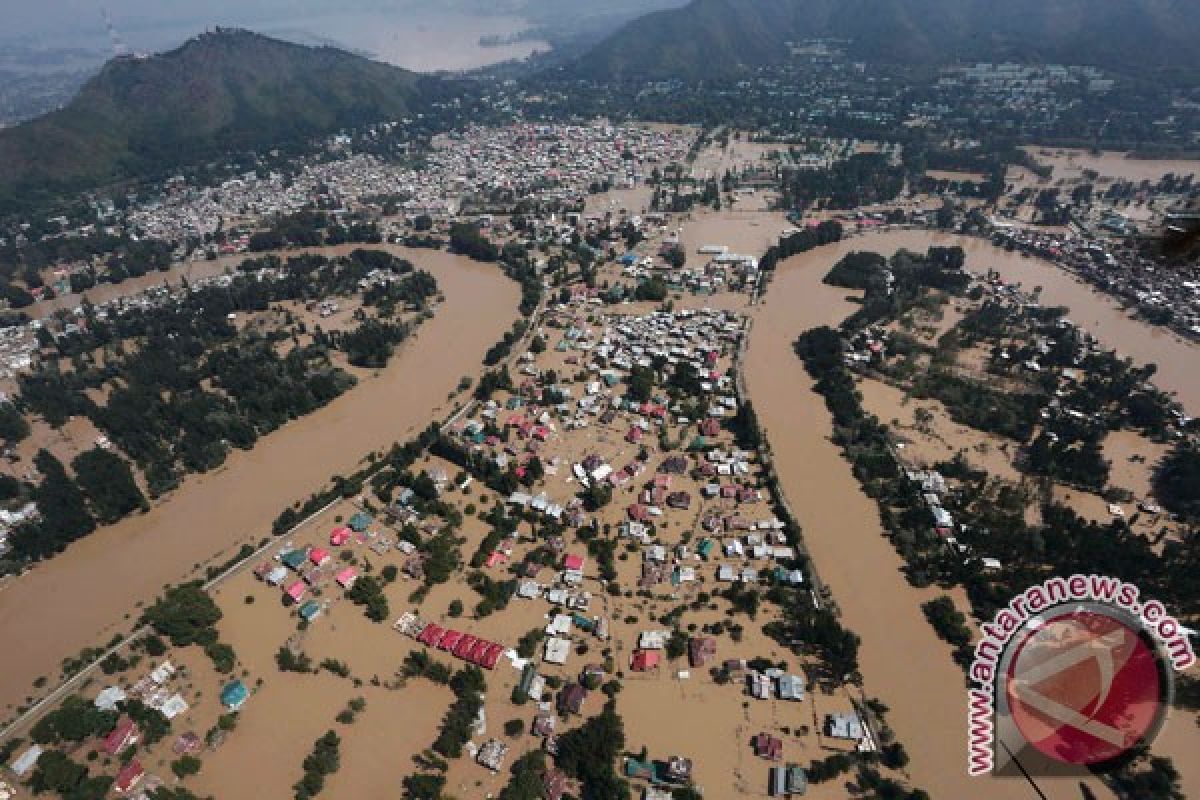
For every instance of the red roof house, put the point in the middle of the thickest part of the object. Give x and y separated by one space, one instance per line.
128 777
554 784
449 640
573 561
464 645
318 555
478 650
431 635
767 746
340 536
125 734
645 660
491 656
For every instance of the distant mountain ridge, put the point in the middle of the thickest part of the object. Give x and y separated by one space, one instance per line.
720 38
221 91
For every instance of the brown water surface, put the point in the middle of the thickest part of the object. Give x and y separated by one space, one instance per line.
78 599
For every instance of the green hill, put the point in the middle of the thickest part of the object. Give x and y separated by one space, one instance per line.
218 92
720 38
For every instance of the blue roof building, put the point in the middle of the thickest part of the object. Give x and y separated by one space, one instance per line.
234 695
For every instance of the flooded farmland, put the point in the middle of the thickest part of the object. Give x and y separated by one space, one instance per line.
82 595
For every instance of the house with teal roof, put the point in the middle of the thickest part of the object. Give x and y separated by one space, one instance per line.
360 522
310 611
234 695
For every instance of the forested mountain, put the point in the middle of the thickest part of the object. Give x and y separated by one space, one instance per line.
220 91
719 38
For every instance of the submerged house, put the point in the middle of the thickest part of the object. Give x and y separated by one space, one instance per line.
234 695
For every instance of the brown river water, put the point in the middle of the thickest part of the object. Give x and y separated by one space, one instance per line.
91 591
902 660
79 598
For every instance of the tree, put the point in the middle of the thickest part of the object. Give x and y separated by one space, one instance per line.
368 591
13 427
75 720
56 773
185 614
588 753
64 513
185 765
1176 480
108 483
641 384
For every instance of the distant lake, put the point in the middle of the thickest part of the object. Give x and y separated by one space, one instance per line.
425 40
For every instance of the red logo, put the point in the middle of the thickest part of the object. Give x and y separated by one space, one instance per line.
1084 687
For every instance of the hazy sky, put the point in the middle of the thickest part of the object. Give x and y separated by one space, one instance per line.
74 17
418 34
58 18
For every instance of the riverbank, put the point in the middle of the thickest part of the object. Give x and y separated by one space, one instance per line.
902 660
94 589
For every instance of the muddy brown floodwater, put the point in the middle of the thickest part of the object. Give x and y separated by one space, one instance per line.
902 660
81 597
1177 359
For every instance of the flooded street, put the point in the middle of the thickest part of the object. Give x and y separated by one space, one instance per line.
90 592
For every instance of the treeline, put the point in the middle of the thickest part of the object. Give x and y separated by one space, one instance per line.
826 232
186 385
314 229
324 760
969 402
860 180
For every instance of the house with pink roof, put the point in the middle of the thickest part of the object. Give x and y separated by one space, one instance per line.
295 591
572 561
340 536
318 556
346 577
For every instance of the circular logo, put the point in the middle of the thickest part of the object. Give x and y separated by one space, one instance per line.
1086 685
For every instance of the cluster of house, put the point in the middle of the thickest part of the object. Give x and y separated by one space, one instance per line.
154 691
1121 270
297 570
465 646
544 162
720 270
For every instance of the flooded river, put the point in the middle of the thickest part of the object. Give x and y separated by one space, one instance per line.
1177 359
902 660
80 598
